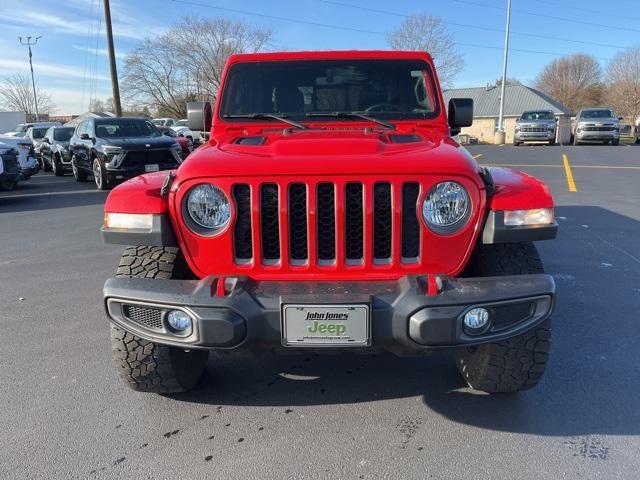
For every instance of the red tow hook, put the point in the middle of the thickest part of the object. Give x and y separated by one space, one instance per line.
434 285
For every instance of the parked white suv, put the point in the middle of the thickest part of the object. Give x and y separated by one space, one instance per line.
164 122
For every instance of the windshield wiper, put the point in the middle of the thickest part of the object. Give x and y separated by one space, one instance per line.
266 116
361 115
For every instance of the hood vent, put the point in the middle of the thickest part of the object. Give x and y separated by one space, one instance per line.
250 140
404 138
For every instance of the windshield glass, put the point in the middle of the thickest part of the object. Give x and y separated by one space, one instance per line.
537 116
601 113
158 123
20 128
182 123
63 134
38 133
125 127
393 89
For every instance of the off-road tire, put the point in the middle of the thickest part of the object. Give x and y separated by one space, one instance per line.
552 143
518 363
615 142
143 365
46 166
78 174
575 141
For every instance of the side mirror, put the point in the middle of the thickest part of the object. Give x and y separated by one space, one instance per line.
45 140
85 136
620 118
460 114
199 116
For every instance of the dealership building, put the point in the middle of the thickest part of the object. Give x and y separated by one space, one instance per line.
518 99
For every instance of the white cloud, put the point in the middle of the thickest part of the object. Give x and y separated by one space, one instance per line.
59 71
99 51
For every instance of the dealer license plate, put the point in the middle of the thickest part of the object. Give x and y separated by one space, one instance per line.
154 167
326 325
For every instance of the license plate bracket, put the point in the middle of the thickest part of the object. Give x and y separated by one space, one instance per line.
326 325
152 167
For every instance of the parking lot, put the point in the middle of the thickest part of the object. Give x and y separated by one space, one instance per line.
66 414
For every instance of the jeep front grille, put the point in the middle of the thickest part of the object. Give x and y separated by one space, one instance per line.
327 223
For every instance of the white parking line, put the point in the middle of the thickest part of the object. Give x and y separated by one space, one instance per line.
44 194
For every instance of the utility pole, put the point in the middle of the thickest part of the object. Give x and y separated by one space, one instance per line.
504 71
112 60
29 43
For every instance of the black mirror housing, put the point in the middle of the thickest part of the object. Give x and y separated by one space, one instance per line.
199 116
85 136
460 114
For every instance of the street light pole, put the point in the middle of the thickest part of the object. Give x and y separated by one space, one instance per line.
28 43
112 60
504 69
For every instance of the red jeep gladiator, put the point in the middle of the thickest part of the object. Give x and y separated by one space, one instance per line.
330 209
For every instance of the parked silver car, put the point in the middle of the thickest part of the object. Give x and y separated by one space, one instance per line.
596 125
535 126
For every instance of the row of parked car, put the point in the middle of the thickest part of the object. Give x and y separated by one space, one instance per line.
109 149
591 125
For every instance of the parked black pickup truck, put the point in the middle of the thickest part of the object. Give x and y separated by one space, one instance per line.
116 149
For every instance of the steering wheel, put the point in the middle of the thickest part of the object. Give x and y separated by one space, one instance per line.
383 107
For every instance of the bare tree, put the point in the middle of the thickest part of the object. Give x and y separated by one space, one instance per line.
574 81
205 45
97 105
623 92
186 63
155 76
16 93
428 34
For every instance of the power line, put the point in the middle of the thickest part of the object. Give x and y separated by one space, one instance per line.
552 17
352 29
463 25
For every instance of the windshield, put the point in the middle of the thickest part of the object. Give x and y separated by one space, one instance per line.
158 123
38 133
601 113
125 127
168 132
63 134
392 89
537 116
182 123
20 128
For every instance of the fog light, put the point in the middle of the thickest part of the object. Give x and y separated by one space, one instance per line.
476 320
179 321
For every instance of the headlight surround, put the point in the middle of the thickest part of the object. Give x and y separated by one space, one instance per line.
207 208
446 208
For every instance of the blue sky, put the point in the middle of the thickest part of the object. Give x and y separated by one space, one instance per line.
72 66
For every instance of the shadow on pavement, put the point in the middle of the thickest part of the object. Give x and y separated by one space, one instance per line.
591 385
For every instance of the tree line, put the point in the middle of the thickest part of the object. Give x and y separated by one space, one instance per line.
578 81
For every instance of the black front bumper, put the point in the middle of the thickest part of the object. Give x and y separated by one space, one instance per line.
404 319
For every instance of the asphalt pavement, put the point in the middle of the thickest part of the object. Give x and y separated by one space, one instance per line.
65 413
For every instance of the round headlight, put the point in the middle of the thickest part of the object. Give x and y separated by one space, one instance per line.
446 208
209 207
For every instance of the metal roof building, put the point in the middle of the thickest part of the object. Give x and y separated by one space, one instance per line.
519 98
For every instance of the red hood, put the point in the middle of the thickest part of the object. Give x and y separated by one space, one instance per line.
339 152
